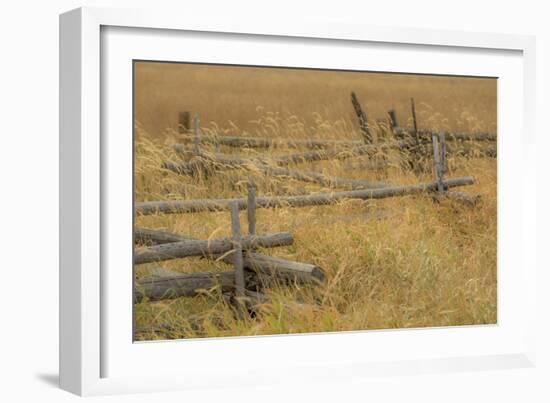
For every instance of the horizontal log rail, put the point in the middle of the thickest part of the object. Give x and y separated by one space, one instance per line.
183 284
195 206
401 132
187 248
282 268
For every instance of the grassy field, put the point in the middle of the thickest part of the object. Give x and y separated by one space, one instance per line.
392 263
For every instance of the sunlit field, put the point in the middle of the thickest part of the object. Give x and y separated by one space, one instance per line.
414 261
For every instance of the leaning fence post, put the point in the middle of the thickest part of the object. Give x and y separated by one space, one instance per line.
437 163
251 208
196 139
393 119
238 256
362 117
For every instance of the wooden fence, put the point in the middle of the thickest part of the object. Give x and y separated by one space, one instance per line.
252 271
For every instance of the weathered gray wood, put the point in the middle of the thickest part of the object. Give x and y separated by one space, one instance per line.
283 268
184 284
251 208
362 117
443 148
401 132
151 236
193 206
415 124
237 250
174 285
437 163
181 249
184 119
463 149
165 284
393 118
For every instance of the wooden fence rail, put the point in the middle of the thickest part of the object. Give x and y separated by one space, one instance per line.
261 142
184 284
401 132
194 206
175 250
282 268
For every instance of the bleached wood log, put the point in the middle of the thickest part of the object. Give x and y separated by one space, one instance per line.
362 118
283 268
237 254
401 132
183 285
187 248
193 206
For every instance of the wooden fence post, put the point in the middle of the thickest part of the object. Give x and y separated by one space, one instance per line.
393 119
237 257
415 124
184 120
437 163
443 147
362 116
251 208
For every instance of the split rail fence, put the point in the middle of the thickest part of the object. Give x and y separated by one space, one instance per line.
253 271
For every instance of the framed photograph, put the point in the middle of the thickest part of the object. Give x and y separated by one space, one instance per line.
244 203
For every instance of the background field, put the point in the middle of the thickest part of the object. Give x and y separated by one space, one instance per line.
401 262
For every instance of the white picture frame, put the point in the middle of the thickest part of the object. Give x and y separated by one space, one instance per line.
85 307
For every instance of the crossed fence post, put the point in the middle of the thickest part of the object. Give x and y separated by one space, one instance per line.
238 261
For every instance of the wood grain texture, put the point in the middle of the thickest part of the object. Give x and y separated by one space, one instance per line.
183 285
187 248
237 250
283 268
362 118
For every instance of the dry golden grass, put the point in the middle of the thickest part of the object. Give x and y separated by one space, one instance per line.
262 101
391 263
